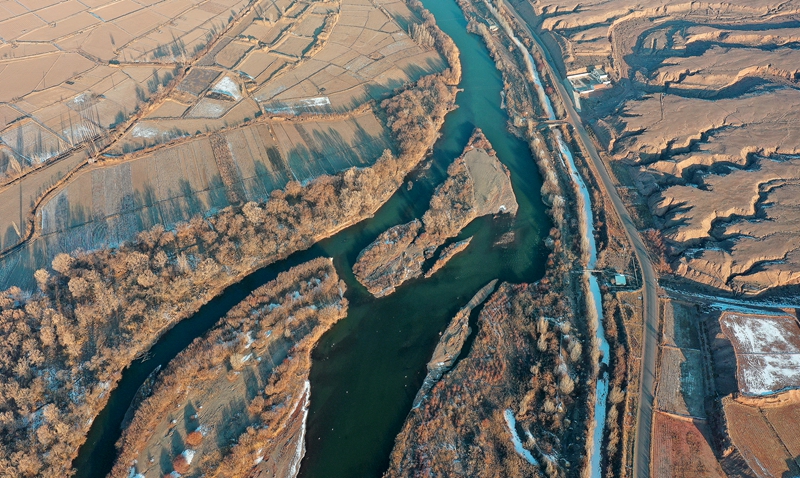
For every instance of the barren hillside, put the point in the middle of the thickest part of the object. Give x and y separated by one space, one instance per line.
702 121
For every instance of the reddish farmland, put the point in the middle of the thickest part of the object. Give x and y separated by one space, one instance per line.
681 448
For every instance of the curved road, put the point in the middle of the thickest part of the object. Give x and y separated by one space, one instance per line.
644 414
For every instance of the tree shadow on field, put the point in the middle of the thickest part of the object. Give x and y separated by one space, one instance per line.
177 443
232 423
252 386
165 462
188 412
11 237
794 467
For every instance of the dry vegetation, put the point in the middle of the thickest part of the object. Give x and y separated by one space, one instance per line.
174 73
681 448
451 342
477 184
247 376
65 345
520 361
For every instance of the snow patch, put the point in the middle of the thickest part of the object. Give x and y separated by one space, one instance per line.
144 131
762 334
512 427
188 455
227 87
300 451
765 374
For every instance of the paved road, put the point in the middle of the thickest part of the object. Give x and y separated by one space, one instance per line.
644 414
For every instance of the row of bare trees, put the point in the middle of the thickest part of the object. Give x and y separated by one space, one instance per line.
66 344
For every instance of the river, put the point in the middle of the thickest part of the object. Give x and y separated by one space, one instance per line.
367 369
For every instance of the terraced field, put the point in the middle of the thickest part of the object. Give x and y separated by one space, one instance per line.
134 130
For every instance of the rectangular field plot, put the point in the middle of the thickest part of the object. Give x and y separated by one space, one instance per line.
681 388
784 418
761 333
111 203
680 325
767 351
681 448
756 440
760 374
372 53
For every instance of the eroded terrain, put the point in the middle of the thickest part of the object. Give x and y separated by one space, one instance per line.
703 123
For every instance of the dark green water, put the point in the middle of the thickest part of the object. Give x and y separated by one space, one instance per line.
369 366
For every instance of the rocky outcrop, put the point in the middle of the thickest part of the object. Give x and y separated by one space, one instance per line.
477 184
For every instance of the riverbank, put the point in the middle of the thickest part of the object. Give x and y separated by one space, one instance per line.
249 372
477 184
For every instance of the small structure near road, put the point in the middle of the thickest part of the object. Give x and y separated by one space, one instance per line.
619 280
584 84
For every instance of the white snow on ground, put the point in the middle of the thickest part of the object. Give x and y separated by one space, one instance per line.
512 427
594 303
744 306
145 131
545 101
301 440
763 334
293 107
188 455
227 87
764 374
320 101
768 354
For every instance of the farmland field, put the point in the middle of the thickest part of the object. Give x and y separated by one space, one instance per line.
99 67
681 448
139 75
681 389
767 351
77 70
757 440
109 203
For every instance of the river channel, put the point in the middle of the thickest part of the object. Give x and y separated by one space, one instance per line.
367 369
